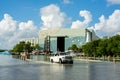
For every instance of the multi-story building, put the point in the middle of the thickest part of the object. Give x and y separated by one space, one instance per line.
33 41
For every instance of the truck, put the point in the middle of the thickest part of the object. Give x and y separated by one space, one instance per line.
61 57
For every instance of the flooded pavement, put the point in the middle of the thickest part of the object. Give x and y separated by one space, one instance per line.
15 69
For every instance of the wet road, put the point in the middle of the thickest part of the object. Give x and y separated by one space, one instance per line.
14 69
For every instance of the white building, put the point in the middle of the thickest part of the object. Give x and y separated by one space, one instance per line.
33 41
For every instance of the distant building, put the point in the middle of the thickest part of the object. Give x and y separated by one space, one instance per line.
33 41
105 37
74 36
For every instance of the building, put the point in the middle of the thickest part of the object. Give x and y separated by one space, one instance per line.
72 36
33 41
105 37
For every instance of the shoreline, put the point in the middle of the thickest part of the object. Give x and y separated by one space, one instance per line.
83 60
88 60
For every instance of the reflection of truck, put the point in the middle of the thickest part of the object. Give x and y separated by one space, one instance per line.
61 57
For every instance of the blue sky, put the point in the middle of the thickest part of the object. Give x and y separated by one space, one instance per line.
24 10
17 16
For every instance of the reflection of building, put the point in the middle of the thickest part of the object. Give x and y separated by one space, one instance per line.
74 36
33 41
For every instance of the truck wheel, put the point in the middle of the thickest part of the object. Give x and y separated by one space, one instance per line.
60 61
52 61
71 62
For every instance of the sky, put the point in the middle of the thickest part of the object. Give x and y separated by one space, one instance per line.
21 19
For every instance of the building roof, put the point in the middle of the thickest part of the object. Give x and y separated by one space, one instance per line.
62 32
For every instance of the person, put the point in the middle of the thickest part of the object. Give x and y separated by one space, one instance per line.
108 58
27 55
114 60
23 56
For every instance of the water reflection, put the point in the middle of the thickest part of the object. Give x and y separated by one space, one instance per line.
15 69
64 72
104 71
54 71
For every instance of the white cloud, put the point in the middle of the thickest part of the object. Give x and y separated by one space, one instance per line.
101 24
113 1
66 1
82 24
27 25
7 24
111 25
52 17
11 31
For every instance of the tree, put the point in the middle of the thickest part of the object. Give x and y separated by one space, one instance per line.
36 47
73 47
80 49
23 47
115 45
87 49
19 47
28 47
101 50
94 47
103 47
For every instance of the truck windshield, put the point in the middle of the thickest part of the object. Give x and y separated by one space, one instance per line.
64 54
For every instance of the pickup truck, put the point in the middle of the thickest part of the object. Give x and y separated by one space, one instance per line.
61 57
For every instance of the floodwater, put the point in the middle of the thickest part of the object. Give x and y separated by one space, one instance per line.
15 69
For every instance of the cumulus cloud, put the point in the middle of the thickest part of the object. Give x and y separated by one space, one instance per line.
83 24
101 24
105 27
27 29
7 24
27 25
52 17
113 1
110 25
11 31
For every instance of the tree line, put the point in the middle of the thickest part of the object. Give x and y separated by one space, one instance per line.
24 47
75 48
101 47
